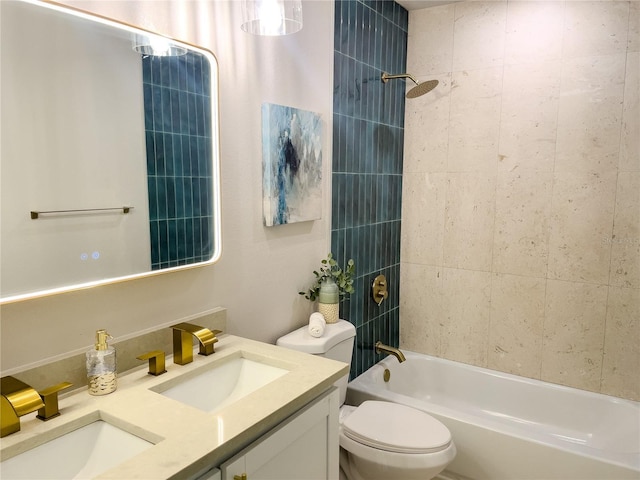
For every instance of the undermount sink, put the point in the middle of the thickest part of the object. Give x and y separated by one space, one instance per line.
223 384
82 453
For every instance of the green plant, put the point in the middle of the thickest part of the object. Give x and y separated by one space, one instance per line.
331 269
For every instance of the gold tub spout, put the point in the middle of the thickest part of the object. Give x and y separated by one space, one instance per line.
183 343
17 399
382 348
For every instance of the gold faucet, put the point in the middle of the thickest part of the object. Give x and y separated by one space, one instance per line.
183 343
17 399
382 348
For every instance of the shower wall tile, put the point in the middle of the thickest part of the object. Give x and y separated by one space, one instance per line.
469 220
368 139
590 114
526 42
581 222
621 343
538 116
517 319
595 28
465 323
630 143
430 49
422 308
423 217
521 234
633 42
574 331
427 123
528 119
625 240
479 35
474 122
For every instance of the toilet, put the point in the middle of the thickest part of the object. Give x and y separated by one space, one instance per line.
378 440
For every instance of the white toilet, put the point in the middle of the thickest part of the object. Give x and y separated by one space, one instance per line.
378 440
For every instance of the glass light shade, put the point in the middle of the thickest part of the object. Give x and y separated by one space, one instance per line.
157 46
271 17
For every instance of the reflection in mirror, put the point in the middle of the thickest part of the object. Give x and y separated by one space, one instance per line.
109 152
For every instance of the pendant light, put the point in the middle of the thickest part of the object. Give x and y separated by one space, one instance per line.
271 17
150 44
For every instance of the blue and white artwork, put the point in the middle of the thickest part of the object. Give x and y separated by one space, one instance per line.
292 165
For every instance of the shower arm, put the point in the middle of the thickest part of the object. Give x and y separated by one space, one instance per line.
387 76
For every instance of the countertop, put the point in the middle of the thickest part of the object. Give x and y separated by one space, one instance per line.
186 440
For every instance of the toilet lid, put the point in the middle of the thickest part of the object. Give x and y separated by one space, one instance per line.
396 428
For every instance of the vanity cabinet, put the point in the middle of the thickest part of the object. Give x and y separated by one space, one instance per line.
303 447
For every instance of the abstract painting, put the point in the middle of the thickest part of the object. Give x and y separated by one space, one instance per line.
291 165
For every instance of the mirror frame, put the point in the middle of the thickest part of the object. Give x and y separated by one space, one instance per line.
215 160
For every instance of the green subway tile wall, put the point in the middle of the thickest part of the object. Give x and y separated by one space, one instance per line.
368 138
178 140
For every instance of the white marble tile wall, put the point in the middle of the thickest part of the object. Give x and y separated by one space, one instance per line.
521 194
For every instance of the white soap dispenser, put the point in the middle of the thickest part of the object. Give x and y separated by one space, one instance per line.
101 366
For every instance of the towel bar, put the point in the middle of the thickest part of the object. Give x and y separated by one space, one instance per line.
36 214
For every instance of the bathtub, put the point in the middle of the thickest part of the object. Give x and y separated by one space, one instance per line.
510 427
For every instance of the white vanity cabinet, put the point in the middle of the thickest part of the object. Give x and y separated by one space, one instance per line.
303 447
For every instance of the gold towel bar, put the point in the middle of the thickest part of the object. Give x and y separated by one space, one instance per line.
36 214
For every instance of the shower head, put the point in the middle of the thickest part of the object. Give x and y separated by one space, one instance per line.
418 90
422 88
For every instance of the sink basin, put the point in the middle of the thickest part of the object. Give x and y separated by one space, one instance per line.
82 453
220 386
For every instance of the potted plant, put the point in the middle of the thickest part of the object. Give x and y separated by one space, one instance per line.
331 285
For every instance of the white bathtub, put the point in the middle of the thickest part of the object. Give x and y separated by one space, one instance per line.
511 427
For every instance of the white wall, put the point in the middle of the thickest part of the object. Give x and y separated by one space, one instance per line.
261 269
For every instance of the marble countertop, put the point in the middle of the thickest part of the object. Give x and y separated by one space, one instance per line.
186 440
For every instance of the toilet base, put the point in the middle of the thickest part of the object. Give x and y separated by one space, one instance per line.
359 462
357 469
342 475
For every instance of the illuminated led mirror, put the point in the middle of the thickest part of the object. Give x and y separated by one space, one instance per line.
109 152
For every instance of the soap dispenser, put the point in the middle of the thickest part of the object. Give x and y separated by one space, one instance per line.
101 366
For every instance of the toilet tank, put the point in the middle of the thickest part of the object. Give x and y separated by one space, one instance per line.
336 343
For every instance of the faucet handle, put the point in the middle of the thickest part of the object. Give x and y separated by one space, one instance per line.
49 397
379 287
156 362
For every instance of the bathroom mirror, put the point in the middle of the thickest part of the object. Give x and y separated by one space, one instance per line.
109 152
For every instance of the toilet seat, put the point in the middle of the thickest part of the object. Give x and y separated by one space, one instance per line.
395 428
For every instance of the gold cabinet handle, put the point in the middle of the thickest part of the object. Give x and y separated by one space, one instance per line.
156 362
240 477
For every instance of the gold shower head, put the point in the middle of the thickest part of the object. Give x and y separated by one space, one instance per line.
418 90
